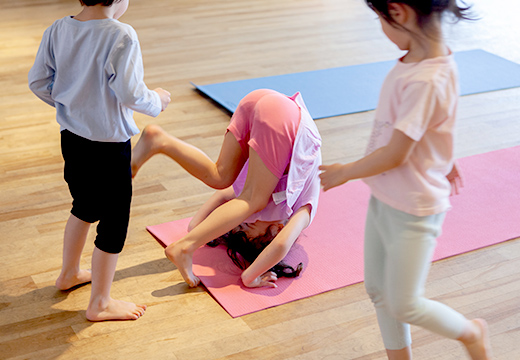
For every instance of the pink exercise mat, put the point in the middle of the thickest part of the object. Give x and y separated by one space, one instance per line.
486 212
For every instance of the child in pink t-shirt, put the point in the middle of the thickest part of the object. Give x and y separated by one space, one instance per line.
410 169
267 176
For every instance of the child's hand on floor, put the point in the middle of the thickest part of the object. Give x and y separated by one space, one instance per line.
267 279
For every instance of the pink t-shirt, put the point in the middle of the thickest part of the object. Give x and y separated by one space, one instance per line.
281 130
420 100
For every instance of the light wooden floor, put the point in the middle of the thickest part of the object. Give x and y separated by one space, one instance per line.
208 41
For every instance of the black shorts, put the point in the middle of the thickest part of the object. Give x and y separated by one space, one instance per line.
99 176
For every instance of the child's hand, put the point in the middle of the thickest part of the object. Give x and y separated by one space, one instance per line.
267 279
165 97
455 178
333 175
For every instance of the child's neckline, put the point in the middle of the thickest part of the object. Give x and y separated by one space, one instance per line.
72 17
94 19
433 58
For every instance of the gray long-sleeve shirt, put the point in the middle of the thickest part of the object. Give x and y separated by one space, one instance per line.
92 72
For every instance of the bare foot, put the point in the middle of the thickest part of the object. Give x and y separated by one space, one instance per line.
114 310
184 262
66 282
478 346
145 147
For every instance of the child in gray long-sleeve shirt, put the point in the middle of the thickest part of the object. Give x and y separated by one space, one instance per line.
89 67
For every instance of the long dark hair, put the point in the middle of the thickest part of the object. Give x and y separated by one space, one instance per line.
243 251
425 9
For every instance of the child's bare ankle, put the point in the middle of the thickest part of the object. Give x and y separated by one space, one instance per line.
476 340
67 281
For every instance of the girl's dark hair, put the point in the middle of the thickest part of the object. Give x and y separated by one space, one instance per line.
243 251
425 9
96 2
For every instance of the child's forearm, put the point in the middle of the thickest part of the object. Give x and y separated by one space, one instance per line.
41 74
279 247
42 88
272 255
138 97
383 159
376 163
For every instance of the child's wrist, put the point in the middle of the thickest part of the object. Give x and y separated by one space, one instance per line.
346 172
245 279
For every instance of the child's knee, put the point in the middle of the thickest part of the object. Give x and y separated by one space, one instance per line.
374 293
405 311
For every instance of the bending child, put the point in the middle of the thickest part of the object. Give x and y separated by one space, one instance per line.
410 169
267 173
89 67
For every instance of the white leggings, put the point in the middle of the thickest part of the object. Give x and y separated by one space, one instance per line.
398 252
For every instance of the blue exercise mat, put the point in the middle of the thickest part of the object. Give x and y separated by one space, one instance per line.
351 89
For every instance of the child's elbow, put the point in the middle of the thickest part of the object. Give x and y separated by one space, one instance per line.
279 249
128 100
398 160
35 87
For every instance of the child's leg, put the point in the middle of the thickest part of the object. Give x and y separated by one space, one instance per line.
409 251
111 191
74 149
476 340
259 185
402 354
219 175
74 239
396 335
102 306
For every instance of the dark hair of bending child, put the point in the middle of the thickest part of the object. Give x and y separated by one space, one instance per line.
244 250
